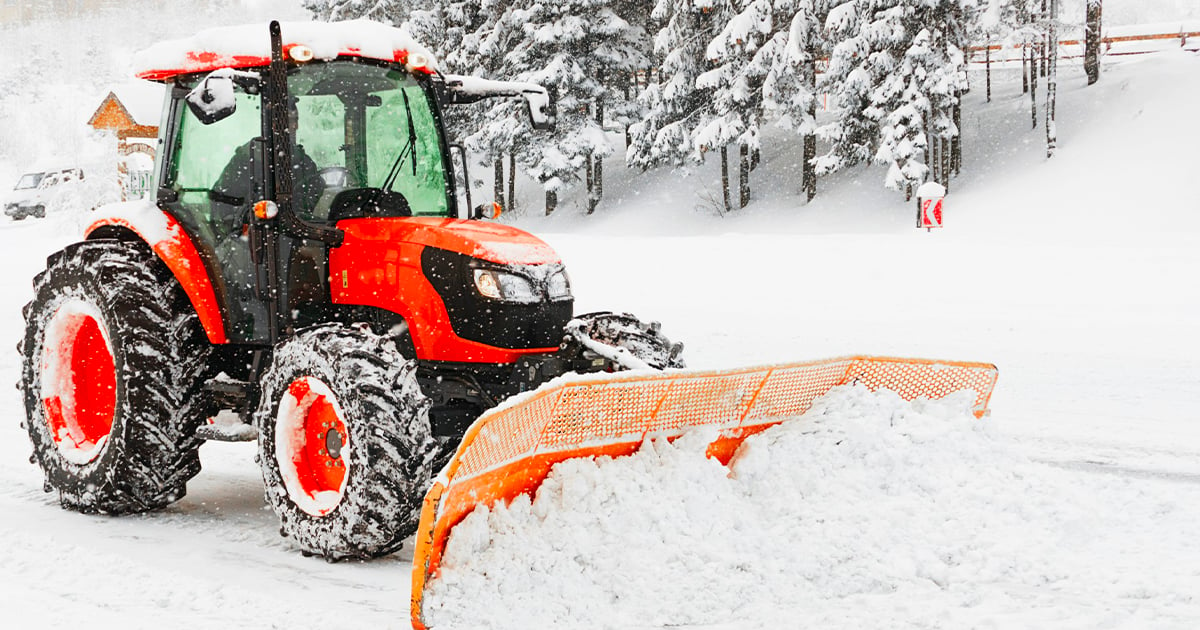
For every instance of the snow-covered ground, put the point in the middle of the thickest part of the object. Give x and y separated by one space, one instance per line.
1071 508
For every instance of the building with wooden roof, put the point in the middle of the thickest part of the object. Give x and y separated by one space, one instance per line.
131 112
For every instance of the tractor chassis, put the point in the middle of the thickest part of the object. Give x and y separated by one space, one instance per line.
460 392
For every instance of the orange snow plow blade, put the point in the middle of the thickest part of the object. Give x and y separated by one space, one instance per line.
509 450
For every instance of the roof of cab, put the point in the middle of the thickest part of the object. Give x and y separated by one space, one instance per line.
249 46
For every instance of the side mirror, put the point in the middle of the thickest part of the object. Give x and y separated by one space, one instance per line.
490 211
539 103
541 108
214 99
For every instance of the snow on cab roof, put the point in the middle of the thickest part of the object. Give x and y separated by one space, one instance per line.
250 45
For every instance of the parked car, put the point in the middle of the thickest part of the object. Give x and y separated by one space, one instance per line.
33 190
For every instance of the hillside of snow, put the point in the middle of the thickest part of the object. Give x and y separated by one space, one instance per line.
1071 506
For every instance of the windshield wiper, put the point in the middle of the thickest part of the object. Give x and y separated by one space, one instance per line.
409 147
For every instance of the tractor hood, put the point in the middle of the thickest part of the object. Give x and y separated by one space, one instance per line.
420 268
492 242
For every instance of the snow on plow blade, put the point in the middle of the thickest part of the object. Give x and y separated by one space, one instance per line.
509 450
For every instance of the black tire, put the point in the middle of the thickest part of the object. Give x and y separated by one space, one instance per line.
155 358
644 340
39 212
382 443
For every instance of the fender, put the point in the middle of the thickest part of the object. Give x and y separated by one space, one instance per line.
379 265
164 235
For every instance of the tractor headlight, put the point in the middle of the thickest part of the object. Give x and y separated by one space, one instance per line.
559 285
500 285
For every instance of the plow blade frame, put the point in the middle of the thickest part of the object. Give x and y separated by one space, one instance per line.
510 449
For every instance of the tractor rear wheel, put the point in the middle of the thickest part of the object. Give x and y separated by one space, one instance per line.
344 442
113 356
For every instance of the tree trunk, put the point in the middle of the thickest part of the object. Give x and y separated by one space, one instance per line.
1052 86
956 146
1045 42
599 180
808 171
987 63
498 184
551 201
512 182
1042 46
587 170
1091 50
931 155
1033 77
725 179
596 167
946 163
743 176
1024 68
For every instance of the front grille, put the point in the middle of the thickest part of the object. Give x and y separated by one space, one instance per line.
493 322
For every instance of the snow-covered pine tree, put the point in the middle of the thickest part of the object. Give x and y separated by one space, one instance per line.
849 80
736 79
917 45
995 23
629 109
386 11
675 107
789 88
579 49
895 76
494 130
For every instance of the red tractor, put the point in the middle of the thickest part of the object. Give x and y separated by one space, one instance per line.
305 264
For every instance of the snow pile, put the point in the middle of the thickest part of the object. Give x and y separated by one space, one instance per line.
867 512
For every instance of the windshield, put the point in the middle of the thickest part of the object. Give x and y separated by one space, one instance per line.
368 126
29 180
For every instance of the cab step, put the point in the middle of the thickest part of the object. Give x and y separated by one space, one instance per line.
227 426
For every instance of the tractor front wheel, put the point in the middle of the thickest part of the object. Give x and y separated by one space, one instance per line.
344 442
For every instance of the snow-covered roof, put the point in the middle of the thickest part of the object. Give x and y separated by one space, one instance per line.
250 45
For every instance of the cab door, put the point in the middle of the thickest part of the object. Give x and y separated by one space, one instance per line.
213 176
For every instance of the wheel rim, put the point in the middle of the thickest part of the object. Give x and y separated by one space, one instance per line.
78 381
312 446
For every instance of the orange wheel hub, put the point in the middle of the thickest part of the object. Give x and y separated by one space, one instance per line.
312 446
79 381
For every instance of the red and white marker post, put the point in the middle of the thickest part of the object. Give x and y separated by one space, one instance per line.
929 205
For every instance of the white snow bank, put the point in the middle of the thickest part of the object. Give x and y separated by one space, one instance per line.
866 512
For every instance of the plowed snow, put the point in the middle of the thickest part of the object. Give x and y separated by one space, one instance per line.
868 511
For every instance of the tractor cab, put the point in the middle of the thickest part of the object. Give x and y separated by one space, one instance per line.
265 153
364 139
